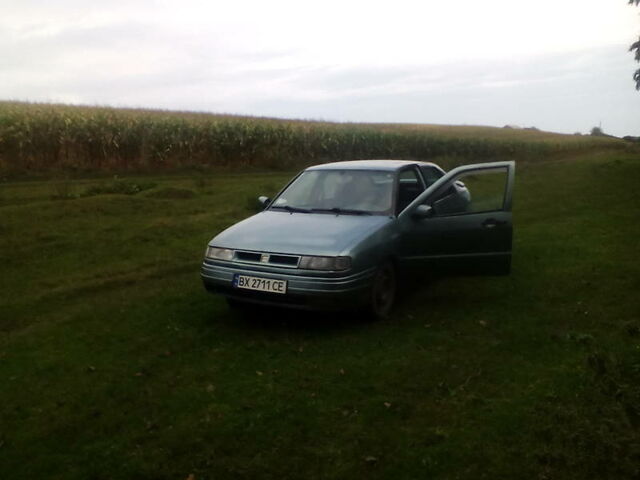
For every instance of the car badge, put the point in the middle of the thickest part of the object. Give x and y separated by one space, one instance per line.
264 258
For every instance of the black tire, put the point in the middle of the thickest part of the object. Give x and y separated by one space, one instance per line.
383 291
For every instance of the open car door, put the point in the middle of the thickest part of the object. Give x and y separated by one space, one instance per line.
462 222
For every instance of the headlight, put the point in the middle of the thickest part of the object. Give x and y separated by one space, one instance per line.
325 263
219 253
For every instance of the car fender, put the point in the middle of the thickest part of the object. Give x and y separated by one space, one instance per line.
374 247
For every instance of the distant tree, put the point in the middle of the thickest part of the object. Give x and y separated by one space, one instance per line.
636 47
597 132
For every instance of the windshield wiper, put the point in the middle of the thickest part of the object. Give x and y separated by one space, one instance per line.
342 211
291 209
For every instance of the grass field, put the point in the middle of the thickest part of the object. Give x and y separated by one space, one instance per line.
115 363
63 140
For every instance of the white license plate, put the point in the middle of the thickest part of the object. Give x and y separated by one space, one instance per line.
260 284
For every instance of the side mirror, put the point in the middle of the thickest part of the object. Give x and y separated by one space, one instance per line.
264 201
422 211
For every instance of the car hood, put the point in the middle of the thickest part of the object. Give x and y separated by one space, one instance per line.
299 233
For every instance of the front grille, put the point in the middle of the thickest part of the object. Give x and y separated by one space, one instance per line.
248 256
284 260
290 261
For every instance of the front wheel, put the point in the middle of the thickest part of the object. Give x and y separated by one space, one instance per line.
383 291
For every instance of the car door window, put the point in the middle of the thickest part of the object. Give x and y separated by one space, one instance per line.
409 187
474 192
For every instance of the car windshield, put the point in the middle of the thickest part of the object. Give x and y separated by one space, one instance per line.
339 191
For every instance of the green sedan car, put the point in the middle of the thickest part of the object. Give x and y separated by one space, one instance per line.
339 235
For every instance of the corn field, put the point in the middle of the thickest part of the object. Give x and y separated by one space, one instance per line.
42 138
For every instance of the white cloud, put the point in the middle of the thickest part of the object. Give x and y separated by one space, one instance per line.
335 59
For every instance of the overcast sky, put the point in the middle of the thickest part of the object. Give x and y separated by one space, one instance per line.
559 65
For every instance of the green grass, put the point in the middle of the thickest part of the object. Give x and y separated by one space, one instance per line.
37 138
115 363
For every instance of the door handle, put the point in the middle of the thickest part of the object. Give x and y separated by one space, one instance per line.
493 223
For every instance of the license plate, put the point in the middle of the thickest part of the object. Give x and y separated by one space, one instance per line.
260 284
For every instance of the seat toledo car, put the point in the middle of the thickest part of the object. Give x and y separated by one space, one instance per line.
338 235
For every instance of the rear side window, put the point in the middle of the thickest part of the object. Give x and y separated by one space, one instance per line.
430 174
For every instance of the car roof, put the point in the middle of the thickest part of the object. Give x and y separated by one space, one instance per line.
369 165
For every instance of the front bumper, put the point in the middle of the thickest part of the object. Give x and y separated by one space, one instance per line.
305 289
